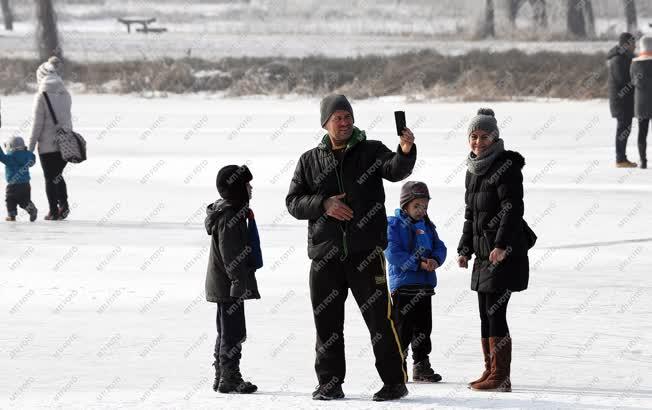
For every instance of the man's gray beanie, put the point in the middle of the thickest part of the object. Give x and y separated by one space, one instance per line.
332 103
485 121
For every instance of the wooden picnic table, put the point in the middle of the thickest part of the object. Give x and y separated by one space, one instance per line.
143 21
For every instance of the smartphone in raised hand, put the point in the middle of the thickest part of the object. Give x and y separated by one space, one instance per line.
399 117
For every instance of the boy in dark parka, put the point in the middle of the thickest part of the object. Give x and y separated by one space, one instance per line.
230 279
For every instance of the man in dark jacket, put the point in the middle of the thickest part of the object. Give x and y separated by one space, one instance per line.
338 188
230 279
621 94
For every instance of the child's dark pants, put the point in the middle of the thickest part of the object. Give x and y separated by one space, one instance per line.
18 195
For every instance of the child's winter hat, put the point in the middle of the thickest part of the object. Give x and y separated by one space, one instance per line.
54 65
15 143
332 103
232 183
485 121
413 190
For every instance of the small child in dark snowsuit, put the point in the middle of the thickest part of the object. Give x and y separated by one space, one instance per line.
230 279
414 251
17 162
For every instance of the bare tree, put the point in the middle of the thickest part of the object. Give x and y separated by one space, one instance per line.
580 20
589 17
539 12
47 35
489 25
7 15
630 15
513 7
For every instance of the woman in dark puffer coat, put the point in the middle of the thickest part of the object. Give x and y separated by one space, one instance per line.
495 232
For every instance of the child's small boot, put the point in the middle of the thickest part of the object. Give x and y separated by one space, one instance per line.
32 211
10 218
423 372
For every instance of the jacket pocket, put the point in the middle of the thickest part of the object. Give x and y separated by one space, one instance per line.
490 238
322 231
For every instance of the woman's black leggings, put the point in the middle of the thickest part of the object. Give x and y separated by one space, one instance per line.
493 313
55 186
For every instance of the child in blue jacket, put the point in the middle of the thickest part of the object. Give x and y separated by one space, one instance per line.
414 252
17 161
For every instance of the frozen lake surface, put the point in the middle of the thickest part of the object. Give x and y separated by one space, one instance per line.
106 309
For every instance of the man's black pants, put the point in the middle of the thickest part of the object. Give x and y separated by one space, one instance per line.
330 280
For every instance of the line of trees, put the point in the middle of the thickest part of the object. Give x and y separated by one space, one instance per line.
47 36
580 19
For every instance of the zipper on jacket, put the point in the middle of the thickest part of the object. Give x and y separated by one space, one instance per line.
340 185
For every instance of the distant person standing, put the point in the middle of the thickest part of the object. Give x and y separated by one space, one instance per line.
641 73
621 94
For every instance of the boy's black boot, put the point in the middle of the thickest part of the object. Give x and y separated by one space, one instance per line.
231 382
423 372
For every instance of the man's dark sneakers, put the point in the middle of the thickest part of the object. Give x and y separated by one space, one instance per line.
391 392
422 372
231 382
328 392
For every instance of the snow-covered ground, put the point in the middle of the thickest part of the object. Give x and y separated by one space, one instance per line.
106 309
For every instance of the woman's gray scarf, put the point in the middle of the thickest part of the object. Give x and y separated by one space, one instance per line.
478 165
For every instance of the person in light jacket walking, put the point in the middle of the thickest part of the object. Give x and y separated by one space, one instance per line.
44 131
